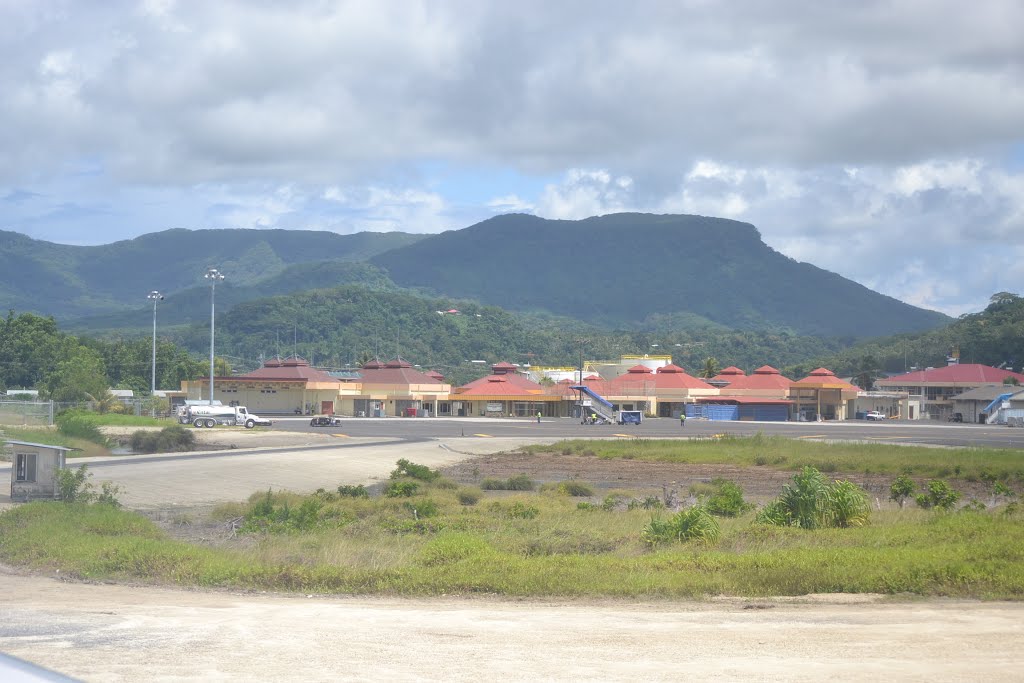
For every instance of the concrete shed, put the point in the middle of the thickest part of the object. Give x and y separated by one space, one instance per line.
34 469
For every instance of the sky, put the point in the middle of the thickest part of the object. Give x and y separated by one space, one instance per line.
881 140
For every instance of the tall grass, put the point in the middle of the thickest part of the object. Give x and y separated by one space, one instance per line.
790 454
378 546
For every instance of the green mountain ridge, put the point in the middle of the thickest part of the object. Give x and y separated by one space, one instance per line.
625 270
70 281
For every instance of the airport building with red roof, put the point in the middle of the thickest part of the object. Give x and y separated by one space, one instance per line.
939 387
397 388
505 393
288 386
823 396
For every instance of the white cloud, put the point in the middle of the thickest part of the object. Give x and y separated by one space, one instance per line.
584 193
858 136
510 203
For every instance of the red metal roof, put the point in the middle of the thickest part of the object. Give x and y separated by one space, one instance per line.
501 385
729 372
824 376
639 369
396 371
289 369
962 373
764 378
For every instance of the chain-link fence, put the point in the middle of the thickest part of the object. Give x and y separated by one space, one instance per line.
26 413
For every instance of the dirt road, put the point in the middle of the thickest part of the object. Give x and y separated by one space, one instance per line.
121 633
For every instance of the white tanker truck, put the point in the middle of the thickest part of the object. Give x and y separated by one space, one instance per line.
209 416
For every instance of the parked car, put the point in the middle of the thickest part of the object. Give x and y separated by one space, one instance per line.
874 415
325 421
955 417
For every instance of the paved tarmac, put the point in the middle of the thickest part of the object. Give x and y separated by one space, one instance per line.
922 432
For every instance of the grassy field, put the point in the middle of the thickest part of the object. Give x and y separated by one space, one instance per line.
970 464
50 436
522 544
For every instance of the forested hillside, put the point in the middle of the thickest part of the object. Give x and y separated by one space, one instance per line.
343 326
76 281
994 337
626 270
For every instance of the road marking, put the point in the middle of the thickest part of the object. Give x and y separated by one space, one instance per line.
341 436
484 436
884 438
813 436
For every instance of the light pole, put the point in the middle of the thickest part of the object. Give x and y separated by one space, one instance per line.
155 297
214 276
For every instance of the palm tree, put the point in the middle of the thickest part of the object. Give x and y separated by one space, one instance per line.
711 367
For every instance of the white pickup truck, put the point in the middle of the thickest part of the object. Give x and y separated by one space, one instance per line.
209 416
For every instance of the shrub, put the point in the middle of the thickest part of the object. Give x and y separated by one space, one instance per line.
401 489
575 489
73 487
648 503
266 515
810 502
516 510
76 424
520 482
901 489
172 439
358 491
849 505
726 500
694 523
939 496
422 508
468 496
414 471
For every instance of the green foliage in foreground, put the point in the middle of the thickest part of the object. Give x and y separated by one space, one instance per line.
971 464
525 545
811 502
692 524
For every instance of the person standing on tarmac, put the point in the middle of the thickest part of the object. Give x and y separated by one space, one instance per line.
538 417
682 418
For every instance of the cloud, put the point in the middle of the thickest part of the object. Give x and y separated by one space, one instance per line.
880 140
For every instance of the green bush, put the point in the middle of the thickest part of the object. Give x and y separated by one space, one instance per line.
939 496
576 489
468 496
726 500
76 424
73 486
358 491
694 523
902 488
422 508
810 502
520 482
848 505
414 471
517 510
172 439
401 489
